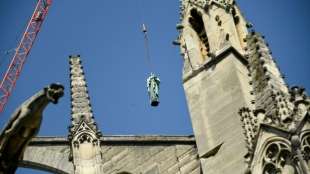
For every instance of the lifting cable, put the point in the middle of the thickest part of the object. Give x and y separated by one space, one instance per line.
146 46
152 81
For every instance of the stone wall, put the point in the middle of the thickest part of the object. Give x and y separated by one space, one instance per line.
132 154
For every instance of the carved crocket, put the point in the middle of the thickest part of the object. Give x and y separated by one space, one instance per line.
23 125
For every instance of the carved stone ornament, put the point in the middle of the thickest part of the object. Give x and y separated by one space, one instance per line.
204 4
297 93
277 159
23 125
305 144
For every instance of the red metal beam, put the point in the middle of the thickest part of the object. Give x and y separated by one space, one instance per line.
18 60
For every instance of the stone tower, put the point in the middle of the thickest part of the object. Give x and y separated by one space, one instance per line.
229 75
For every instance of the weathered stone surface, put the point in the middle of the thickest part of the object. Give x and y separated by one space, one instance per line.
218 84
133 154
48 154
214 97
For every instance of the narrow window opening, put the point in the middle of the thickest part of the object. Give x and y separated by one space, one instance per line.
197 24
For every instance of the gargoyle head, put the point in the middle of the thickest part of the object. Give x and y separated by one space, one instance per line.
54 91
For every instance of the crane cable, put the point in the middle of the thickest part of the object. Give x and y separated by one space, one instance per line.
144 30
147 49
152 81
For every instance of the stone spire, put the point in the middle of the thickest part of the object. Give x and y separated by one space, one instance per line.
80 102
84 134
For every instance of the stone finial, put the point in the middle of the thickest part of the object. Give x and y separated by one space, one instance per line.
300 100
298 94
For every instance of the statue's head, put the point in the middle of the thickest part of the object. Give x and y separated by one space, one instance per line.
54 91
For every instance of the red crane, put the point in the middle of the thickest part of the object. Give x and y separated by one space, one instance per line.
9 80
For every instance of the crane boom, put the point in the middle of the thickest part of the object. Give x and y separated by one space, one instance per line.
9 80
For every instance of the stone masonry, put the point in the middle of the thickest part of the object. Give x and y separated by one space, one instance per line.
245 118
236 92
119 154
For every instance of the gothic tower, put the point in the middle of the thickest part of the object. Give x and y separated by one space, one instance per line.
229 75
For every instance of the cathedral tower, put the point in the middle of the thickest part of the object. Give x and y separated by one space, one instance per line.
216 81
229 75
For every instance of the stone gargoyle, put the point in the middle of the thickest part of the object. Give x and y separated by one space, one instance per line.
23 125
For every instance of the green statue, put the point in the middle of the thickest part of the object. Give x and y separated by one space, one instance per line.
153 89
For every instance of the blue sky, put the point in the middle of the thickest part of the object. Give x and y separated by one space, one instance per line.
107 36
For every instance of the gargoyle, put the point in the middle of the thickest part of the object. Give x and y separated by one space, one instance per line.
23 125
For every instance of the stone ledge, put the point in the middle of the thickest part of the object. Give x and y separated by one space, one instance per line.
218 57
148 139
120 139
50 140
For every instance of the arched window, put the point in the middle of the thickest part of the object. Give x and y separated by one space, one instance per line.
277 159
305 144
197 24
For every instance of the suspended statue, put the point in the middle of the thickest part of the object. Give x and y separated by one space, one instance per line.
153 81
153 89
